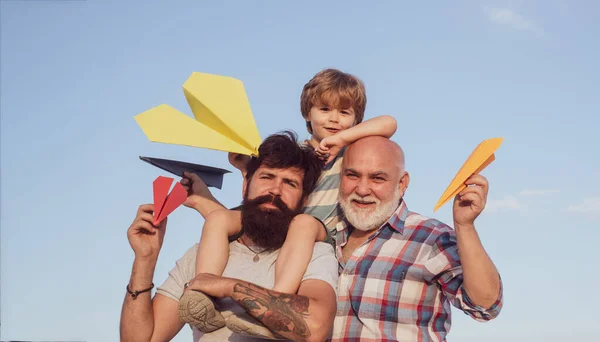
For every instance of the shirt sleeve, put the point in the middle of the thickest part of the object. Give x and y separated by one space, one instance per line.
183 272
444 268
323 265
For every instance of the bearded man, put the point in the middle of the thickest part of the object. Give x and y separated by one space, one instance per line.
400 271
269 205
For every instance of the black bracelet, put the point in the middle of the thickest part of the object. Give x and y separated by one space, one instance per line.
134 294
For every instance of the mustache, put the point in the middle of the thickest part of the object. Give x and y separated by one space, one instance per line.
355 197
275 200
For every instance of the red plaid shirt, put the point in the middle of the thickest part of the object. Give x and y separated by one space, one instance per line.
399 284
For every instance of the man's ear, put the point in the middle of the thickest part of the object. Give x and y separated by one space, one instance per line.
244 187
403 185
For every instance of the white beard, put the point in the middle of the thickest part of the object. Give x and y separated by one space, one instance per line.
369 219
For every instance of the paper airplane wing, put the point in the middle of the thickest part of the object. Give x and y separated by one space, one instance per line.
165 203
167 125
480 158
161 187
221 103
212 176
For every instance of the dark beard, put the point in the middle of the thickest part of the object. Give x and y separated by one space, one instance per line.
267 227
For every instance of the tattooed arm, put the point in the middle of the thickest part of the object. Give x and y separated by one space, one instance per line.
305 316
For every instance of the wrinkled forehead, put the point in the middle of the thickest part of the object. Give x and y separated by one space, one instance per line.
370 159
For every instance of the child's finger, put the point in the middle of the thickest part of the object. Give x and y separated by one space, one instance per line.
322 156
322 151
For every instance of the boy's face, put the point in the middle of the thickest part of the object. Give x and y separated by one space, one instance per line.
326 121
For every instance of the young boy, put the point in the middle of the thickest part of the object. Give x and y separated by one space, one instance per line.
333 105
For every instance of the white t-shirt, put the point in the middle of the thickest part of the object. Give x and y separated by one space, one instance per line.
323 266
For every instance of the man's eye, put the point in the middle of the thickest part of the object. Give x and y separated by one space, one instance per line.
351 176
379 179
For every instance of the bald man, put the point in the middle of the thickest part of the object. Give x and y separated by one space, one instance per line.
400 271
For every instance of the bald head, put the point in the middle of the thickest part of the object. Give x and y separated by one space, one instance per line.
373 182
379 148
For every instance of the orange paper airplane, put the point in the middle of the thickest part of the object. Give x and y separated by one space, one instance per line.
165 203
482 156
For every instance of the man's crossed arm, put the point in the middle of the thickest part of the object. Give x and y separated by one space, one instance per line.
305 316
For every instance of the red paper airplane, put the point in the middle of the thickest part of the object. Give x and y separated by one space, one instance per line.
165 203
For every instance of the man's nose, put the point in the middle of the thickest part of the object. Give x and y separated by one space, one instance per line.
275 189
362 188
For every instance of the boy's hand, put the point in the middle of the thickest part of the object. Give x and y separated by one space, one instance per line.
195 188
239 161
145 238
329 147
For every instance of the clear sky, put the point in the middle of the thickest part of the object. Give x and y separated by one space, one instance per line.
74 73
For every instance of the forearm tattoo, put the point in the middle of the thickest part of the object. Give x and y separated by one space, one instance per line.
282 313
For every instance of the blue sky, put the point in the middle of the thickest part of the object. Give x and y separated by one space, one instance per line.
74 73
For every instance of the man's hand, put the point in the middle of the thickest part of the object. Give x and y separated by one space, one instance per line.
145 238
470 202
195 188
212 285
329 147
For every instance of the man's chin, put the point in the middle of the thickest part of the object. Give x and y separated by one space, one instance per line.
361 213
357 219
266 224
364 219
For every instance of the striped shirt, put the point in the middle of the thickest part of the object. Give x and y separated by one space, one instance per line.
399 284
322 203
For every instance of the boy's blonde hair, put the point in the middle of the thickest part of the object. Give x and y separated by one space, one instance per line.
335 89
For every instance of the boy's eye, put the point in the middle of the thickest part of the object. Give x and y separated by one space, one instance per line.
324 109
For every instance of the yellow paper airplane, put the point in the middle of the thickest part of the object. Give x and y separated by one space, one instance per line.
480 158
223 118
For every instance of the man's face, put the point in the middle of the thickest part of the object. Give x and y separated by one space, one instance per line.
285 183
273 197
371 187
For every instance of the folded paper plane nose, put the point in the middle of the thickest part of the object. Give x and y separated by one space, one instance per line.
165 203
480 158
